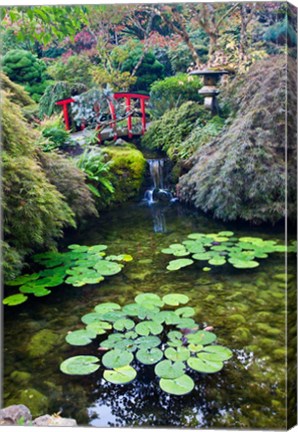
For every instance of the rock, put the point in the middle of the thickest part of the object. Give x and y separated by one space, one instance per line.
48 420
15 414
42 342
20 377
33 399
120 142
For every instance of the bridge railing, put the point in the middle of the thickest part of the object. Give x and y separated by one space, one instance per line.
64 103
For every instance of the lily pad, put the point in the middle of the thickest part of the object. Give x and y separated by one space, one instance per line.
80 365
179 263
106 307
121 375
187 323
178 386
123 324
177 354
21 280
145 342
14 299
175 299
203 256
117 359
205 366
80 337
215 353
149 356
100 327
201 337
91 317
169 370
168 317
96 249
226 233
107 268
146 328
149 299
240 264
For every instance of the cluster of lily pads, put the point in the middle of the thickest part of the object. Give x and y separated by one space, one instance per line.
220 248
79 266
141 332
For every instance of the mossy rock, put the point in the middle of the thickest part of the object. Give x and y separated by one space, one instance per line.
36 402
20 377
127 171
42 342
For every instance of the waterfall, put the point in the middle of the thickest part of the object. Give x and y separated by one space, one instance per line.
156 171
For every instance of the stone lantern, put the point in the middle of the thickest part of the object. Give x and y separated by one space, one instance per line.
210 90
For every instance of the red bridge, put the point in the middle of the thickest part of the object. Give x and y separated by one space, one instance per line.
128 97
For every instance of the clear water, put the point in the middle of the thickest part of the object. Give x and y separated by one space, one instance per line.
245 307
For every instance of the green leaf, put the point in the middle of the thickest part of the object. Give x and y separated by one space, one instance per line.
117 359
168 317
148 327
22 280
226 233
100 327
215 353
179 263
80 337
185 312
175 299
14 299
177 354
80 365
121 375
149 300
149 356
203 256
106 307
123 324
205 366
169 370
91 317
146 342
178 386
201 337
107 268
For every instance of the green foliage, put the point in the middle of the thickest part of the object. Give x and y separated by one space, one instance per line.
172 92
180 346
55 92
241 173
75 69
16 91
92 163
25 68
54 133
223 247
281 33
173 128
79 266
70 182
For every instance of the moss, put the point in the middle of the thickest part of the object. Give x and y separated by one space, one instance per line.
127 171
20 377
36 402
42 343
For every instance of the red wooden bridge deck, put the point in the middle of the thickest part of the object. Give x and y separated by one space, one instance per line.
113 129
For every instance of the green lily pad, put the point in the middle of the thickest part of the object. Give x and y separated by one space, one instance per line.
78 248
178 386
116 359
149 356
175 299
187 323
14 299
217 261
80 337
169 370
206 269
80 365
107 268
146 342
205 366
179 263
121 375
41 292
168 317
91 317
177 354
203 256
149 300
22 280
194 347
146 328
215 353
100 327
96 249
123 324
226 233
136 310
76 281
112 316
174 334
240 264
201 337
168 251
106 307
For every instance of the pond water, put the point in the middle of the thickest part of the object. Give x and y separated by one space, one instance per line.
245 307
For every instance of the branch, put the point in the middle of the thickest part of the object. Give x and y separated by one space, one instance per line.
226 14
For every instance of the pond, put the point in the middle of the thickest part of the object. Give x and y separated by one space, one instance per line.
245 307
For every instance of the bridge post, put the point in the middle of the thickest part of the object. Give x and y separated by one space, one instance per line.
129 119
143 111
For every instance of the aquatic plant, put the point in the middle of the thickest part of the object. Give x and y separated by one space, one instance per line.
81 265
141 332
223 247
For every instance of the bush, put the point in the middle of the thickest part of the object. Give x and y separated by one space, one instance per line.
53 130
241 173
172 92
16 91
172 128
54 93
74 69
25 68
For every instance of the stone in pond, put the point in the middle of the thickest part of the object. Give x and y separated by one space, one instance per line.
14 413
36 402
42 343
48 420
20 377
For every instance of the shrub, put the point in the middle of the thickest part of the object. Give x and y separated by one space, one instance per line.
25 68
20 96
172 128
74 69
241 173
53 130
172 92
54 93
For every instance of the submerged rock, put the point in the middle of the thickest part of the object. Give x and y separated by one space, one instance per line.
42 342
15 414
33 399
20 377
48 420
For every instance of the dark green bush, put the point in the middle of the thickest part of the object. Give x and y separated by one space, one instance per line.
173 128
241 173
54 131
172 92
75 69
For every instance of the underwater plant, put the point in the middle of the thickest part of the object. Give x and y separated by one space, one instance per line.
142 333
218 249
79 266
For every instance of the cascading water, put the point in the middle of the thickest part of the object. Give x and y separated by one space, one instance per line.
158 195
